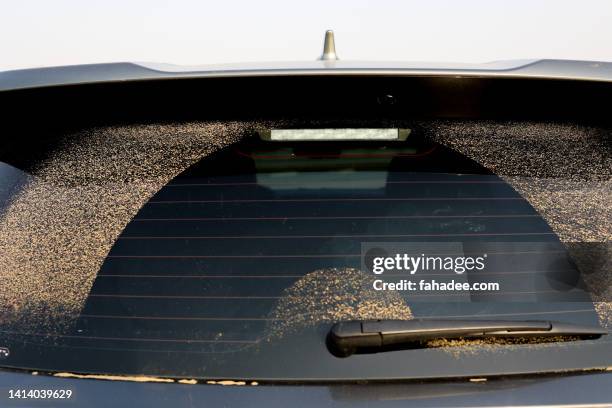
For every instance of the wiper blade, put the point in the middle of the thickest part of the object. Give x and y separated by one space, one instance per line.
363 336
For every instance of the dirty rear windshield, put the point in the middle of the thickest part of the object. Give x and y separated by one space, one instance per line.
200 250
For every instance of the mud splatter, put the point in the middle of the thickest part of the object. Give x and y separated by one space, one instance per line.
59 228
460 347
227 382
576 211
530 149
594 260
115 377
332 295
57 231
604 311
565 171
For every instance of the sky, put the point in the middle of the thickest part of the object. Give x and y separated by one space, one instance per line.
36 33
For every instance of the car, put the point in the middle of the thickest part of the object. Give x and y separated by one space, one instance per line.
323 233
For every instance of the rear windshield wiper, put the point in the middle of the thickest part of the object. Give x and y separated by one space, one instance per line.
371 336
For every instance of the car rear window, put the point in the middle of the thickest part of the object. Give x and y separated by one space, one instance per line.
200 250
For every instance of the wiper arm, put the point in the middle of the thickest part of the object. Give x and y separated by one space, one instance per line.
362 336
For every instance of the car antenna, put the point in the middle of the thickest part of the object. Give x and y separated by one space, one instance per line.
329 47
